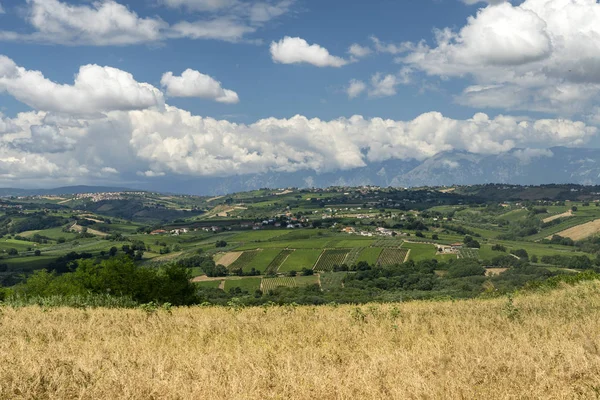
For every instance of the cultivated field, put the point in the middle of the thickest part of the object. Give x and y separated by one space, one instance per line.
557 216
330 258
278 260
581 231
392 257
300 259
229 258
542 346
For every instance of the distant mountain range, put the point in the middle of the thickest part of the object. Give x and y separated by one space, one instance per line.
518 166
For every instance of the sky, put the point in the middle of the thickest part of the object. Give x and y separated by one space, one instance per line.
133 92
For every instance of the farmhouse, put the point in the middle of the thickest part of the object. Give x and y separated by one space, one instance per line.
158 232
456 246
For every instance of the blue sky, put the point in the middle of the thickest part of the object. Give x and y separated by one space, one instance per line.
264 86
272 86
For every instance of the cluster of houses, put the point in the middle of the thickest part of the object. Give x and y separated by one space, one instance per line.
378 232
174 232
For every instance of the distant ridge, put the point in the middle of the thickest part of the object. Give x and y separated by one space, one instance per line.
10 192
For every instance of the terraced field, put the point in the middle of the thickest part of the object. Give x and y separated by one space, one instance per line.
331 258
392 257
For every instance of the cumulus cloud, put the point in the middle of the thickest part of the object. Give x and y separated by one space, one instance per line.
381 85
161 141
99 23
355 88
199 5
2 9
154 142
96 89
540 55
295 50
192 83
470 2
358 51
391 48
107 22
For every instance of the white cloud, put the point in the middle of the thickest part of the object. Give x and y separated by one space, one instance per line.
359 51
192 83
162 141
527 155
107 22
261 12
539 55
96 89
2 9
295 50
470 2
391 48
220 28
355 88
383 86
100 23
257 12
200 5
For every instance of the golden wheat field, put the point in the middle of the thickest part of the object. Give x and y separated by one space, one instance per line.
542 346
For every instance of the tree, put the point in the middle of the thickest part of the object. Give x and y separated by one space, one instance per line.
521 253
113 251
37 253
435 236
574 208
221 243
13 252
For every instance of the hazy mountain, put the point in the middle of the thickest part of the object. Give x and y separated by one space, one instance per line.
519 166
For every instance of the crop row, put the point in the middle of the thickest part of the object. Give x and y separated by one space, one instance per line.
272 283
244 259
392 257
277 261
330 258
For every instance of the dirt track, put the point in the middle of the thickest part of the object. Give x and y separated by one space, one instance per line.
563 215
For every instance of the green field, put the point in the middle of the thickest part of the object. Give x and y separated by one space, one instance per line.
299 259
245 260
420 251
249 285
263 259
274 265
257 236
209 284
370 255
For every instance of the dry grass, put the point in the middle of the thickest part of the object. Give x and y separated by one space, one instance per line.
547 347
581 231
557 216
